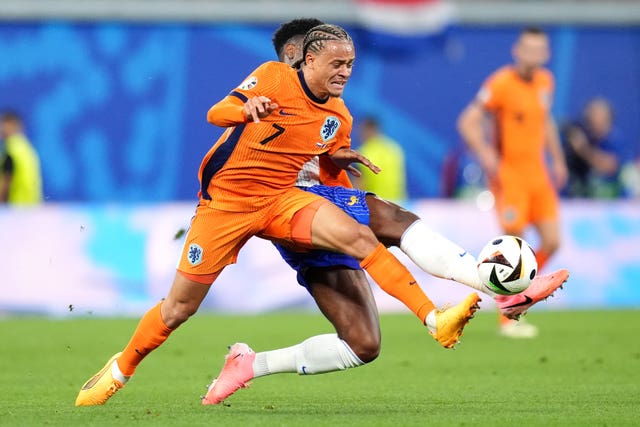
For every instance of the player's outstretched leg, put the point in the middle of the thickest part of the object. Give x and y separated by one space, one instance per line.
235 374
102 385
541 288
315 355
446 325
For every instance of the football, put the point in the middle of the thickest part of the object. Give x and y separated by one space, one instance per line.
507 265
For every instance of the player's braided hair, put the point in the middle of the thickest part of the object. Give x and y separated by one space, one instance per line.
316 38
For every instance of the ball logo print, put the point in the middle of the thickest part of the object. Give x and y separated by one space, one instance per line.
507 265
194 254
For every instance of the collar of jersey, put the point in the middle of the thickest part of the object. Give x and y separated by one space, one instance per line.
308 91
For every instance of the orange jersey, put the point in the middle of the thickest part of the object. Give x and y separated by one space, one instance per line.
252 161
521 109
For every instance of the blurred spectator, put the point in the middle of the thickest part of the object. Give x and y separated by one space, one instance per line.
389 156
20 182
594 152
462 176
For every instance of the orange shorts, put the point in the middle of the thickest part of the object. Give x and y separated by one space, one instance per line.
215 237
520 203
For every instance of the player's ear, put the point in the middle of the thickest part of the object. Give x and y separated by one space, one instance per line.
309 59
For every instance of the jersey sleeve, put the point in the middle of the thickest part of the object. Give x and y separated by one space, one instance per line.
489 95
228 112
263 81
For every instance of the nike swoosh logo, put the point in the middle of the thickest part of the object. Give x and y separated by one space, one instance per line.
412 283
462 254
527 300
284 113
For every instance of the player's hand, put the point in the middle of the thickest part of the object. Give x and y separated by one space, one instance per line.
258 107
344 157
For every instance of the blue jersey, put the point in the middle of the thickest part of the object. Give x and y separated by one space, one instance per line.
354 204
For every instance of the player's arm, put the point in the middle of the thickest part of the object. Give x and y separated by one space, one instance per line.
558 163
236 109
471 129
601 161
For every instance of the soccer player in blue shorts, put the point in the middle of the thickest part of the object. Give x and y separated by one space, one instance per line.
337 282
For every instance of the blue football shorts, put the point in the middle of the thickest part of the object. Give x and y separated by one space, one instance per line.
353 202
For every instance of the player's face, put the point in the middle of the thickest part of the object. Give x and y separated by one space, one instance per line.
330 68
531 51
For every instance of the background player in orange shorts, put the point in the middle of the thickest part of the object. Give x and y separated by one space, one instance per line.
277 119
518 98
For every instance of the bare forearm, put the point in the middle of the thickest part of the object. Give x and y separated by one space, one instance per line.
470 129
553 141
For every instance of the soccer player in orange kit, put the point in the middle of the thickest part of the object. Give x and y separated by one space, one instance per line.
336 281
277 119
518 98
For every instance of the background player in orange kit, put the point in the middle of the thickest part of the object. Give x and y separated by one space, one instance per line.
277 119
518 98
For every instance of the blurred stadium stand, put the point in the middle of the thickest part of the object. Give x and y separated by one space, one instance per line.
467 11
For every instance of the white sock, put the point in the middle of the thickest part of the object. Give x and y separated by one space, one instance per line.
315 355
440 257
117 374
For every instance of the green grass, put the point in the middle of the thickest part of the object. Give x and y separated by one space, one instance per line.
583 370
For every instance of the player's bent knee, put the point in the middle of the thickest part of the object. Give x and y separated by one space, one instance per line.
363 241
367 348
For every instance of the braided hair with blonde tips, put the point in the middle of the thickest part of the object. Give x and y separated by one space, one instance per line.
316 38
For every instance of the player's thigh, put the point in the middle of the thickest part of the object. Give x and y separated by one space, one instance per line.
311 221
332 229
545 217
345 298
512 207
213 241
387 220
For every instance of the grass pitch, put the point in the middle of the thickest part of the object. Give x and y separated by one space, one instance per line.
583 370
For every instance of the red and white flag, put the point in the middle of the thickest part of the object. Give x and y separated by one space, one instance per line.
405 17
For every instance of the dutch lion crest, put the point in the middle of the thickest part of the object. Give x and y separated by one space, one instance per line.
329 128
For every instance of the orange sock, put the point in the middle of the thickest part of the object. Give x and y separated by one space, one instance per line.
503 319
395 279
541 258
149 335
